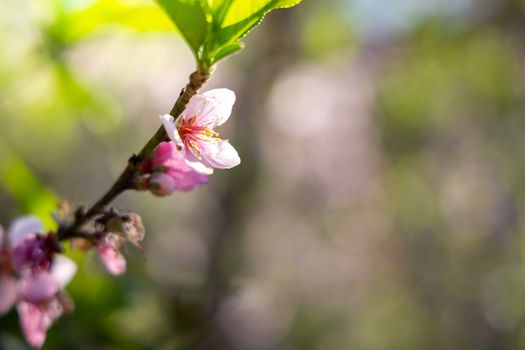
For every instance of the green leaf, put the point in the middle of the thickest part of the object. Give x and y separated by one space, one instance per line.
233 19
190 19
213 28
240 10
227 50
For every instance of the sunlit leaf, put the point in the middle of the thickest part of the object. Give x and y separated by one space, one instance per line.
212 28
240 10
228 50
233 19
190 19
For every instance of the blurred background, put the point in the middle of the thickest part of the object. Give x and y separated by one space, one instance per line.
379 198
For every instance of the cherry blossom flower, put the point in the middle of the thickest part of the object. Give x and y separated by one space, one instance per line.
194 131
32 275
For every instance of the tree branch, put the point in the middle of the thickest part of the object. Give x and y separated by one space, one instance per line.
125 181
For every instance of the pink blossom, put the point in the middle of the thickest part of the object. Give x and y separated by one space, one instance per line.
32 275
194 130
170 171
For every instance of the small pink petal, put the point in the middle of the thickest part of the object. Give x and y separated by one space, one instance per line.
166 154
23 227
38 287
112 259
63 270
220 155
7 293
187 180
35 320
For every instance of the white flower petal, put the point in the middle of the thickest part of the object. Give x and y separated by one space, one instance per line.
201 107
196 164
220 155
63 269
169 125
224 100
22 228
199 167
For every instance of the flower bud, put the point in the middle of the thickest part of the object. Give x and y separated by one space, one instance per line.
161 184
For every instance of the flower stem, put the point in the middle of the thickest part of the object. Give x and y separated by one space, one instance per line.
125 181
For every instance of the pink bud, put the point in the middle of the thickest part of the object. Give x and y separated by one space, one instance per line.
161 184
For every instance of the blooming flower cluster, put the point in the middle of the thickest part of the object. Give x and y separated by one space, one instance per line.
32 277
195 148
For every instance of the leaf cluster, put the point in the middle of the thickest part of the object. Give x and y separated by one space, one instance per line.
213 28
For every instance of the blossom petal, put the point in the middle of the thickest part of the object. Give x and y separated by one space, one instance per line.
22 228
169 125
224 100
35 320
165 152
196 164
220 155
7 293
38 287
112 259
200 107
187 180
32 322
63 269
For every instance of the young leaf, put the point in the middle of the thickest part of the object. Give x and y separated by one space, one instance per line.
233 19
227 50
190 19
240 10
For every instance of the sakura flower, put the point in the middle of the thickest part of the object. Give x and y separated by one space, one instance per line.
32 275
194 131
